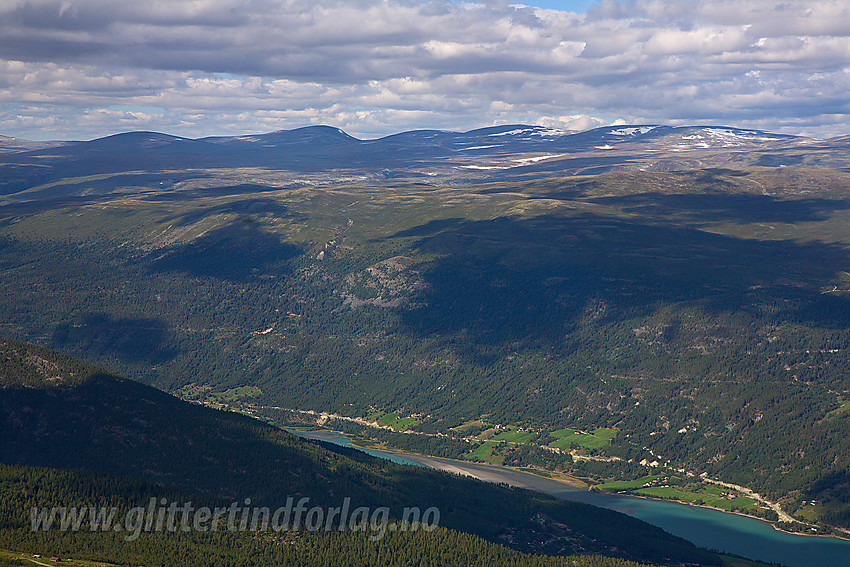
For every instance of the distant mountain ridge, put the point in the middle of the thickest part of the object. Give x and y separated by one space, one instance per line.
494 153
509 136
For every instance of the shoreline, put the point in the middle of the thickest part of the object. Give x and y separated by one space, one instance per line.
445 464
770 523
569 481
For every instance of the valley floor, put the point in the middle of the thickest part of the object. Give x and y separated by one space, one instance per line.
542 481
489 470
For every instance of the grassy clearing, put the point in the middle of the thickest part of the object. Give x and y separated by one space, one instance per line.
487 433
716 501
628 484
484 452
203 393
569 438
236 394
474 428
469 425
513 434
398 423
605 433
843 406
808 513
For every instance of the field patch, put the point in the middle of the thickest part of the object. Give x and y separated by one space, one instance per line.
628 484
740 502
513 434
236 394
569 438
398 423
484 452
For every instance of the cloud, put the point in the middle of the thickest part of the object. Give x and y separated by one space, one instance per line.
375 67
577 122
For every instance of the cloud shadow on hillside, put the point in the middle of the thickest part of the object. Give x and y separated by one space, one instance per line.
530 281
745 208
131 339
247 209
235 252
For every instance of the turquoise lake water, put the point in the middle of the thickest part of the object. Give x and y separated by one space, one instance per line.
728 533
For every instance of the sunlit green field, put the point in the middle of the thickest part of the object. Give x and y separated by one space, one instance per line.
399 423
513 434
569 438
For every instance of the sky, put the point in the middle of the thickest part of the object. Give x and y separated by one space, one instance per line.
81 69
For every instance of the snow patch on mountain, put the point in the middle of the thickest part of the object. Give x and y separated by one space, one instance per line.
481 167
512 132
478 147
634 131
524 161
747 135
534 131
550 133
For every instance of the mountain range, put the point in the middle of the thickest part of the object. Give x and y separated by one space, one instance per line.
328 155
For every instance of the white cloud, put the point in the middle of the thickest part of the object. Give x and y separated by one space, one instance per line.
378 66
576 122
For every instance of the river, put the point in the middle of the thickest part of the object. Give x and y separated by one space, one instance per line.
712 529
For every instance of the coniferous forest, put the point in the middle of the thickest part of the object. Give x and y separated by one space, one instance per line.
100 433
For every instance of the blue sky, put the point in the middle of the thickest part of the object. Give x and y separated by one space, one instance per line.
78 69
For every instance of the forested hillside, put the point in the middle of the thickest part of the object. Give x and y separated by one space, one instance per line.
58 413
693 299
23 488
